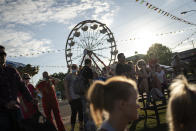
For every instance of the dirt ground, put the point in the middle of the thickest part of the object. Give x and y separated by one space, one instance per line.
65 112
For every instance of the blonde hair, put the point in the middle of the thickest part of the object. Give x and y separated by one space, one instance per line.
140 63
102 95
181 111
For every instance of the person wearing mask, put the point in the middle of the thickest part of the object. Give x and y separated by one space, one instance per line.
73 98
10 85
117 97
49 99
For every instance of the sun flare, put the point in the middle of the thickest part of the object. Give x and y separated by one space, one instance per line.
144 39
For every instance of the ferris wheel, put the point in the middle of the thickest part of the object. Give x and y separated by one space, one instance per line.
91 39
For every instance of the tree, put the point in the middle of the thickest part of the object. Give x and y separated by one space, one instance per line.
136 57
31 70
162 53
60 86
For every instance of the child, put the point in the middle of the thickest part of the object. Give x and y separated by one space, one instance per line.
117 97
181 111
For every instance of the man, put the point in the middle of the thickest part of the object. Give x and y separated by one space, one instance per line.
73 98
122 68
87 74
49 100
10 85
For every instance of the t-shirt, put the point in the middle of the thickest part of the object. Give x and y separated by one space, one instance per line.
123 69
160 76
87 73
70 78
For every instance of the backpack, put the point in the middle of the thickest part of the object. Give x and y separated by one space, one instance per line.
79 86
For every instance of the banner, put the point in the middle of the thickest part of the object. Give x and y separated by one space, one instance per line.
185 40
39 52
166 33
51 66
164 13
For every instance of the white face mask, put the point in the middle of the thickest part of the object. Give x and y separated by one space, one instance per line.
45 79
74 71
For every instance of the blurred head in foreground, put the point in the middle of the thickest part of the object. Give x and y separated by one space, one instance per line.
117 97
181 112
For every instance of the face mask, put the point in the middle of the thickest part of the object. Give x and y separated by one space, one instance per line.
45 79
74 71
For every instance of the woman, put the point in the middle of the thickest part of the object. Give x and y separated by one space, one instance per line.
118 98
28 109
142 76
181 111
73 98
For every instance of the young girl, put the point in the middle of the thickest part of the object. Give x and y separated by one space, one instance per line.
142 76
118 98
181 111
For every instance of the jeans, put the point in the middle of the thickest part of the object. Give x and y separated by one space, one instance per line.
84 107
76 107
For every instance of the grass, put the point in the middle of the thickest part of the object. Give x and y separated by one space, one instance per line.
151 123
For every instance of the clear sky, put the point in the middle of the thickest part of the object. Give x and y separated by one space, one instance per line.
33 26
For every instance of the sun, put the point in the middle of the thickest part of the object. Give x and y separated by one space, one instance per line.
139 39
144 39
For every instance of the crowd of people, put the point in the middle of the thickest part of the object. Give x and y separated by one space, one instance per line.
103 101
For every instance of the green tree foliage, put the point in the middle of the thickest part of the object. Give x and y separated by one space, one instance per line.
31 70
162 53
136 57
60 85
